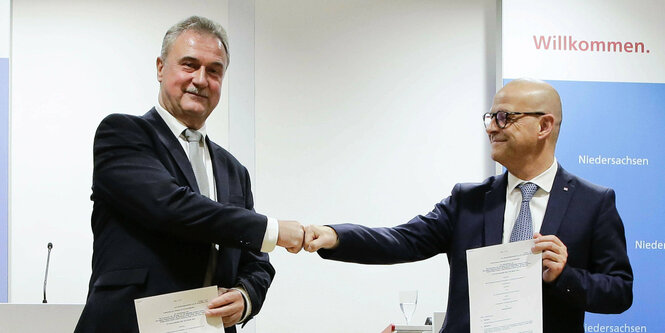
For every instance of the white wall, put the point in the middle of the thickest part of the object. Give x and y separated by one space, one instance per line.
5 6
366 112
74 62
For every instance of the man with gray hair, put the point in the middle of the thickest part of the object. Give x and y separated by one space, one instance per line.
173 210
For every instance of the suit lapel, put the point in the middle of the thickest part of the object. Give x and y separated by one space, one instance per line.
562 191
494 207
173 146
219 167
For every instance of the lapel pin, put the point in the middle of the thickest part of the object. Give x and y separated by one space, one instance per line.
565 188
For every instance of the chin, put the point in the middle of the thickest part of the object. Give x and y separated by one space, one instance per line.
497 158
194 109
193 103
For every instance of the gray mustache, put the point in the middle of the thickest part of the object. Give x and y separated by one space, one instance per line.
196 91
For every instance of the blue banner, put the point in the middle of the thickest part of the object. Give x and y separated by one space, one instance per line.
612 135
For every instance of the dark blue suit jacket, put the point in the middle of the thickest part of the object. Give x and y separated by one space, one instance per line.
597 278
152 229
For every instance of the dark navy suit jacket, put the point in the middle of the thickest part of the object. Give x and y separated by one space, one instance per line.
597 278
152 229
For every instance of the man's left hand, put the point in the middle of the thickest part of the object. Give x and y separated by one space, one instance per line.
229 305
555 255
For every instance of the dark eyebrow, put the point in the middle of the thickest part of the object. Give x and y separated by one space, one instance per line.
183 59
188 58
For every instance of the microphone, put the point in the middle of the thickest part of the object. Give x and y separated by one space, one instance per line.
48 257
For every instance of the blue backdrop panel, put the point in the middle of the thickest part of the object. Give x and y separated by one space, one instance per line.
612 135
4 175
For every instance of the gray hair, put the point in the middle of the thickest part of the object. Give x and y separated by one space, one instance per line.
198 24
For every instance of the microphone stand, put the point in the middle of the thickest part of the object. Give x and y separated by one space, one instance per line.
48 258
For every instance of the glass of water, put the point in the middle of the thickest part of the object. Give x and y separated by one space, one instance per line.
408 299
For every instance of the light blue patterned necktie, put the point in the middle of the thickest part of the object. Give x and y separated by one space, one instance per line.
523 228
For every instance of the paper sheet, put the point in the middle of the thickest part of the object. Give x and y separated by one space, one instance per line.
181 311
505 288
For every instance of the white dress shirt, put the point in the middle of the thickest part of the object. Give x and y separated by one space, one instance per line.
538 203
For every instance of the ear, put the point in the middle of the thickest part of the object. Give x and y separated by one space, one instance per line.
545 126
160 67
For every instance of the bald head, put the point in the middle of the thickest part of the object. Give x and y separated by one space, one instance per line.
525 141
536 95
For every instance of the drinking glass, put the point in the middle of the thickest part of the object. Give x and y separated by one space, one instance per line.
408 299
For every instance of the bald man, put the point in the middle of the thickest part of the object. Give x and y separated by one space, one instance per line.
575 223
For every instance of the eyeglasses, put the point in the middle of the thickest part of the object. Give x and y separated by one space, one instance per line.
502 118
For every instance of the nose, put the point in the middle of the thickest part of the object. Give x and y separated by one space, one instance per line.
492 127
200 78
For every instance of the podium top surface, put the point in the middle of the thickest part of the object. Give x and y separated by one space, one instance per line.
39 317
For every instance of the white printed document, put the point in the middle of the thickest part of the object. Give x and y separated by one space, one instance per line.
182 311
505 288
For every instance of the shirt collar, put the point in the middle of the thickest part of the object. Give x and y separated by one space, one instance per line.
174 124
544 180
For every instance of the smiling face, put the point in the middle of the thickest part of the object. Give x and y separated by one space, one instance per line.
527 142
191 77
520 134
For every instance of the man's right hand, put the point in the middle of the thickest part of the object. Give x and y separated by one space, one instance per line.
320 237
291 235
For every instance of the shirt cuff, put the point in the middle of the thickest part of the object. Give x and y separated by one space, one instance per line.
270 238
248 303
